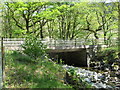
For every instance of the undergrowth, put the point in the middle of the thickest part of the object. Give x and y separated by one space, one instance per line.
20 73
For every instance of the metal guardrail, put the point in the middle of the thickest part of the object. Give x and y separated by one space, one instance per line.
55 44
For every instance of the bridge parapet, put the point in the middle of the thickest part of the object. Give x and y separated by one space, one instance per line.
12 43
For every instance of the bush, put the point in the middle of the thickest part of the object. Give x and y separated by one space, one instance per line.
18 56
75 80
45 74
107 58
34 47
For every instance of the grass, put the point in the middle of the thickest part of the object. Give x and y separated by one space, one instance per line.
20 73
23 72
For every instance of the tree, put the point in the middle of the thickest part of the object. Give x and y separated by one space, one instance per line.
23 14
61 20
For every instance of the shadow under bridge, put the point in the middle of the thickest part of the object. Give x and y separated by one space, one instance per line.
72 53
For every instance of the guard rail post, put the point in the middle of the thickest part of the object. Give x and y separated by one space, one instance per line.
2 61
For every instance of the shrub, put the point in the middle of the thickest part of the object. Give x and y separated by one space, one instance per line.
75 80
45 74
21 57
33 47
107 58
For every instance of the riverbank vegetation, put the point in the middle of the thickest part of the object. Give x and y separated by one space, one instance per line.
24 71
92 23
107 62
21 73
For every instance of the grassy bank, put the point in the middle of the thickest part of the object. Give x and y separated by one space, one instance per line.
20 73
31 68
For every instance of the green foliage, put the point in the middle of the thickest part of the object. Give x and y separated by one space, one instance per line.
18 56
75 80
109 54
63 20
107 58
33 47
72 72
45 74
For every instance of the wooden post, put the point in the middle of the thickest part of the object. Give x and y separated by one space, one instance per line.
2 56
2 67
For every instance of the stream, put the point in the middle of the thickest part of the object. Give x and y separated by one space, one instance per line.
97 78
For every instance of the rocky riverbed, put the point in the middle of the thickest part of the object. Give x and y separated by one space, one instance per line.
98 80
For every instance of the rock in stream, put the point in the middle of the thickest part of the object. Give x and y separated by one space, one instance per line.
95 79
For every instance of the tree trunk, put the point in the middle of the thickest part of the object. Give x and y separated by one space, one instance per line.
41 32
27 26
